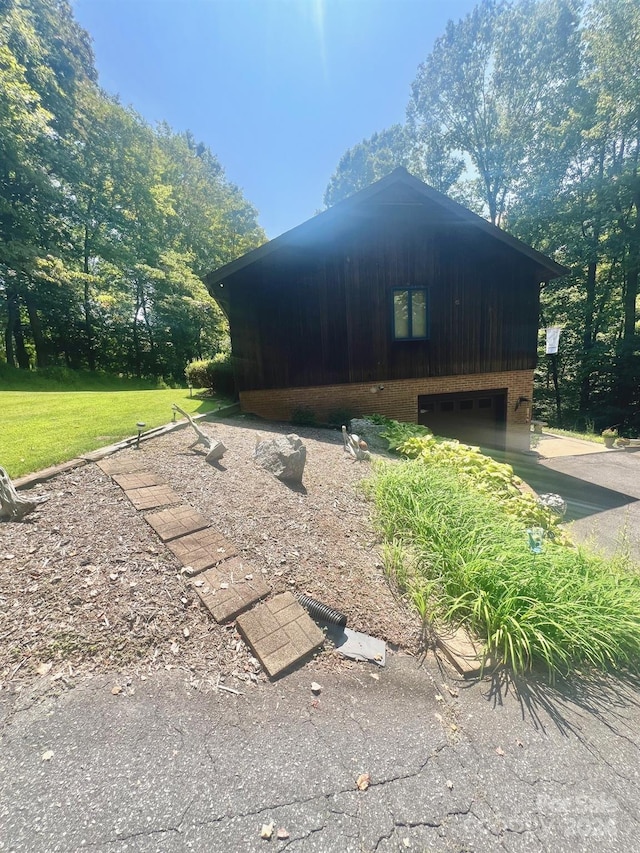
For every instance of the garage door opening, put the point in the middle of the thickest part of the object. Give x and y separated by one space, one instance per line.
475 417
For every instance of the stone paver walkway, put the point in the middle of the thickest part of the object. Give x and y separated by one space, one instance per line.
229 588
113 465
176 521
201 550
280 631
151 497
137 480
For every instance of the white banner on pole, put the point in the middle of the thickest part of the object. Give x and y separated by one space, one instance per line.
553 338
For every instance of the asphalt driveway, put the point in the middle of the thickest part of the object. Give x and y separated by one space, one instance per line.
602 490
453 767
607 506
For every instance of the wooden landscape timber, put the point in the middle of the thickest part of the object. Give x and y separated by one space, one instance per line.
215 449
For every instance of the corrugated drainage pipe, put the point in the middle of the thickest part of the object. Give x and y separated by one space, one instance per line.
322 611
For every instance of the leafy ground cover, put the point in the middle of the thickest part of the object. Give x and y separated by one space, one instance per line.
454 524
43 427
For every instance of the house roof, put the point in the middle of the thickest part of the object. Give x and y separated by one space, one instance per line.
341 212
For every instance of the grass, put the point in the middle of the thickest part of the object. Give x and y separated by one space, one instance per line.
63 379
43 426
570 433
463 558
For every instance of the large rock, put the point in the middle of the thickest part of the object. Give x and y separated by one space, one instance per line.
283 456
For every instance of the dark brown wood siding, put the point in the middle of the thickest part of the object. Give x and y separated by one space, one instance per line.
322 313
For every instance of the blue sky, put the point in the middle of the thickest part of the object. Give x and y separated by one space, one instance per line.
278 89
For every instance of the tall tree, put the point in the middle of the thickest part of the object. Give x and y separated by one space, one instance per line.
44 58
419 150
613 39
594 217
368 161
497 89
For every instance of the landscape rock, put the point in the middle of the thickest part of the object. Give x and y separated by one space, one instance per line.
553 502
284 457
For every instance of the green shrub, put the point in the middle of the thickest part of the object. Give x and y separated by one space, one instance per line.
481 473
338 417
58 374
224 382
198 374
396 433
379 420
214 374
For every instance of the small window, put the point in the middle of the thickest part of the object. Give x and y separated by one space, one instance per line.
446 406
484 403
465 405
410 315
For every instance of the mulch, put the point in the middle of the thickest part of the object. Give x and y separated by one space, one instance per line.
87 587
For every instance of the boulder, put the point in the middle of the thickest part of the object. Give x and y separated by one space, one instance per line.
284 457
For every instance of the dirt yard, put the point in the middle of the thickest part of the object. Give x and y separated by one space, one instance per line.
86 586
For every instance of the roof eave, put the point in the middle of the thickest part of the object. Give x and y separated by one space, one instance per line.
548 268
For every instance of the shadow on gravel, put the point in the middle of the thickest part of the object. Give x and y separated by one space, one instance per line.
601 696
328 434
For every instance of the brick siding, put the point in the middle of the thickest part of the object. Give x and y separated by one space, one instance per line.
397 399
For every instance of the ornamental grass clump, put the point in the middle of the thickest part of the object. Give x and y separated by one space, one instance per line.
462 556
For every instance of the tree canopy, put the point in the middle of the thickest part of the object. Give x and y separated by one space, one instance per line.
106 223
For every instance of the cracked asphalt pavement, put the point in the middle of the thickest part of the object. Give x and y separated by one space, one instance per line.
487 766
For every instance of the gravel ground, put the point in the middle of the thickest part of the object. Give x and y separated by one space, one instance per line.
86 586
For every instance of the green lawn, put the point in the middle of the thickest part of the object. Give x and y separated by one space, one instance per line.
41 428
571 433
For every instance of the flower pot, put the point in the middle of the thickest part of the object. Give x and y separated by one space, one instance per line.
609 440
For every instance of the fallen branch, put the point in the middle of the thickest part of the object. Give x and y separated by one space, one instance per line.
215 449
11 504
228 689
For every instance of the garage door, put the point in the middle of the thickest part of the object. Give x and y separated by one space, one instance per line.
477 417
